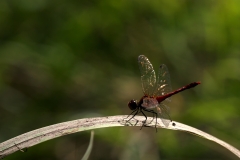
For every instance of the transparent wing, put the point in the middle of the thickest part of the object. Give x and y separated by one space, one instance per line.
163 85
163 112
148 76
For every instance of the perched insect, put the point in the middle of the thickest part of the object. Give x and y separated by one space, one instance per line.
156 91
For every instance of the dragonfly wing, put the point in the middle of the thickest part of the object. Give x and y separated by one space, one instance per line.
163 85
163 112
148 76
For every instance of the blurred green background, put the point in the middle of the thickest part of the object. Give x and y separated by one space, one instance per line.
66 60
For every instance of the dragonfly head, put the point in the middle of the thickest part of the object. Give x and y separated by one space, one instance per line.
132 104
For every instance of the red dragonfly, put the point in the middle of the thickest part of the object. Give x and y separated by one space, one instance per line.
156 90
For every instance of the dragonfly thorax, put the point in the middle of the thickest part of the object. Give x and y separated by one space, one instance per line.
132 104
150 102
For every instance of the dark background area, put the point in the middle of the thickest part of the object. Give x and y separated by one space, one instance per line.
66 60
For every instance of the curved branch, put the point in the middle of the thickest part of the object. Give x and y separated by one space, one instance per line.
37 136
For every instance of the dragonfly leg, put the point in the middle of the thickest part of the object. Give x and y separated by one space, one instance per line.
154 115
130 114
145 119
134 114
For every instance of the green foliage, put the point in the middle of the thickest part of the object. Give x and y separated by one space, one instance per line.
64 60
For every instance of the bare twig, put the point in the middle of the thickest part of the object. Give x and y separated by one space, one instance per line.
46 133
89 149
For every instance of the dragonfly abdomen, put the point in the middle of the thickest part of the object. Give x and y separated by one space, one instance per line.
191 85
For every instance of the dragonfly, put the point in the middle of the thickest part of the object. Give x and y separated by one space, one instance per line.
157 90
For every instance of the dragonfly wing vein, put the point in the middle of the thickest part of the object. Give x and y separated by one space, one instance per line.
148 76
163 84
163 112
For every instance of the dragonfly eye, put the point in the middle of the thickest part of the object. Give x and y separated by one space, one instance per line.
132 104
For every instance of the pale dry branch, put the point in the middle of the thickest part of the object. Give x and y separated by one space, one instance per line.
37 136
